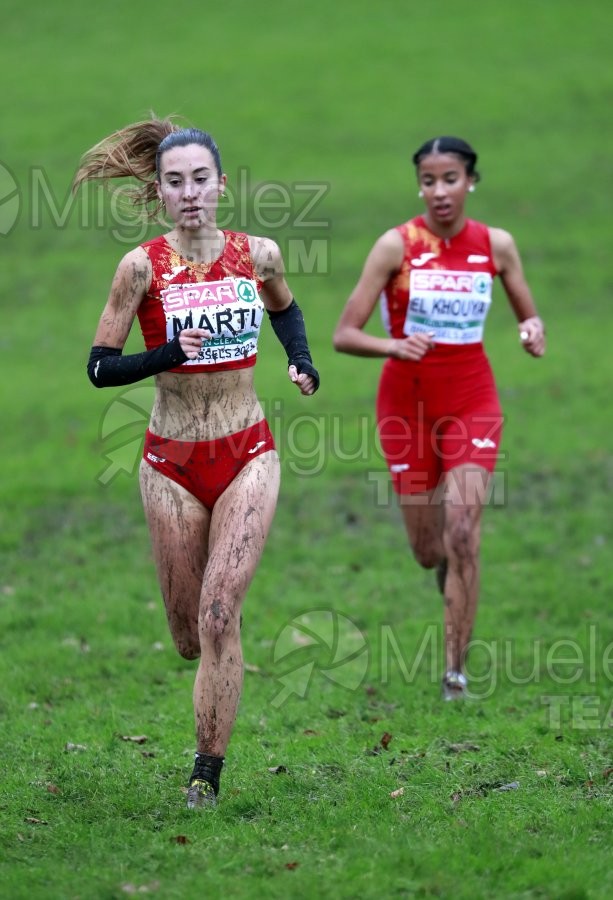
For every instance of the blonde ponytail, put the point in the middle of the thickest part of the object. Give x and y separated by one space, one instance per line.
130 152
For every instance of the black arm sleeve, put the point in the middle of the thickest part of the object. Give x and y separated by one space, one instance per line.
288 325
108 368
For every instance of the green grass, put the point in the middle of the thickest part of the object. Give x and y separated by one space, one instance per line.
338 95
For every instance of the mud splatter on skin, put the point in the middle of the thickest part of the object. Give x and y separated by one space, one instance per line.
203 407
205 560
241 550
178 531
206 731
129 286
214 629
233 559
461 539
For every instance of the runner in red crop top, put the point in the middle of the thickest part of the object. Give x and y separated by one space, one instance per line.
443 285
438 415
209 476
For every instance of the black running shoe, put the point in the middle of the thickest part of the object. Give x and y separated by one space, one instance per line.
200 794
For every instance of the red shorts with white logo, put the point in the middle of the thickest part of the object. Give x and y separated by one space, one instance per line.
437 414
207 468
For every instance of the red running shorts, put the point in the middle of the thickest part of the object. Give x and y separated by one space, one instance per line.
207 468
435 415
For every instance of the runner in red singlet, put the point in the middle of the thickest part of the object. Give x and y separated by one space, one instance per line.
438 415
210 472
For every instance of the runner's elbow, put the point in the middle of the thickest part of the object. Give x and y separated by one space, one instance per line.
341 340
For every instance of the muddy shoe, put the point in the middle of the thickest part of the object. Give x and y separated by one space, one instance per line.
200 794
454 686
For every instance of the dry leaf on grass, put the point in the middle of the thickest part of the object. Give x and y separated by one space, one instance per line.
383 744
397 793
386 740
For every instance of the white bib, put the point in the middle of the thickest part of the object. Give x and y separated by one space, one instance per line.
231 309
453 305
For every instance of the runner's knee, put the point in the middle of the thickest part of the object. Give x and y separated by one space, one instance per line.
219 620
461 535
187 648
426 555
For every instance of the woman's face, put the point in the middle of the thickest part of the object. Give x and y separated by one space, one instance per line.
189 186
444 183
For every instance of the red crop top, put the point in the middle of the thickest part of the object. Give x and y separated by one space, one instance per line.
444 286
222 296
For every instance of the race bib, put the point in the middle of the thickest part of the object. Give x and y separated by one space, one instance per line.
453 305
231 309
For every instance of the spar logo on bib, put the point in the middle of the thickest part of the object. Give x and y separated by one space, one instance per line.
450 282
226 292
246 291
481 283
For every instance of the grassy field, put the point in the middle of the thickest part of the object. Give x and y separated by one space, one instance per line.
346 776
